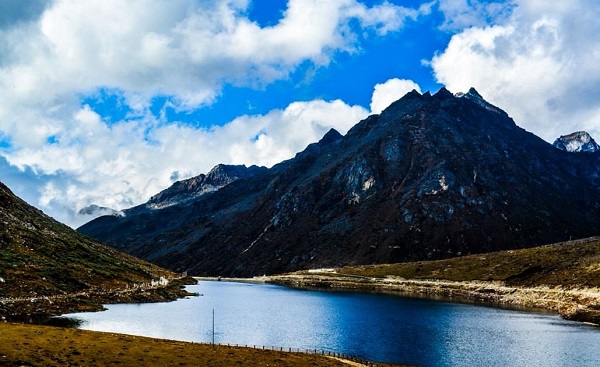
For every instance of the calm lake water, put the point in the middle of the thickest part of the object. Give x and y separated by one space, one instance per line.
381 328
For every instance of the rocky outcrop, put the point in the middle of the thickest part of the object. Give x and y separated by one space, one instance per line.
431 177
579 141
184 191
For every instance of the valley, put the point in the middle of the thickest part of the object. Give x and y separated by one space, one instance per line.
441 196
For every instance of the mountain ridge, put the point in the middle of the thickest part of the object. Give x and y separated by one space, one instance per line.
186 190
432 176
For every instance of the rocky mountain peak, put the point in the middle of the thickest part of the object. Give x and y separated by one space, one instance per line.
223 174
331 136
444 96
187 190
474 93
474 96
579 141
443 93
432 176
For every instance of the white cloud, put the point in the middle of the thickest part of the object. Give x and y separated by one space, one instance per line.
542 65
53 52
124 164
183 48
390 91
461 14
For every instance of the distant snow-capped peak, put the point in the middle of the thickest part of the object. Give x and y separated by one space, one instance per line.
579 141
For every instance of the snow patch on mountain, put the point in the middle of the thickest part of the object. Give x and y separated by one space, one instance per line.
185 191
579 141
474 96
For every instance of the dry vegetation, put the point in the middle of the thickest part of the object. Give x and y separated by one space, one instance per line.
48 268
563 277
573 264
31 345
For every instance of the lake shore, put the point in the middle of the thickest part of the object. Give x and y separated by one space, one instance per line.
36 308
23 341
578 304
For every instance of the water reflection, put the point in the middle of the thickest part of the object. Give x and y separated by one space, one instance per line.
376 327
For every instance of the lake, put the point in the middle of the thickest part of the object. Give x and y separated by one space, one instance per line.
381 328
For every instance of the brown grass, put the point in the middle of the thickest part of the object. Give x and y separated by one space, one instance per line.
564 278
32 345
574 264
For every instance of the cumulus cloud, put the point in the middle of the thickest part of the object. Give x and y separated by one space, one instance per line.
281 133
461 14
542 65
182 48
53 52
122 165
14 12
390 91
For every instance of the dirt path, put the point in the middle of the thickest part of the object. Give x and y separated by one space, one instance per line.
349 363
161 283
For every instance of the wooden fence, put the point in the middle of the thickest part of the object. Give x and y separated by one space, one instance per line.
320 352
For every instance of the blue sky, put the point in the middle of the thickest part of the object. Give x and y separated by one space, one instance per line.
107 102
347 76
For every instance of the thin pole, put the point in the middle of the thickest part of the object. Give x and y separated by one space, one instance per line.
213 340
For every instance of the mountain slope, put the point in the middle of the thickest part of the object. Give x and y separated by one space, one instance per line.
40 257
431 177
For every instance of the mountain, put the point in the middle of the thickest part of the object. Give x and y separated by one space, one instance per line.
40 257
431 177
183 191
579 141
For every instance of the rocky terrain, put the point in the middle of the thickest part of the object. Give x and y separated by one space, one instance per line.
579 141
431 177
48 268
184 191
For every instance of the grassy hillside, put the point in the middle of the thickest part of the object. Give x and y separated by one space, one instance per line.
573 264
40 257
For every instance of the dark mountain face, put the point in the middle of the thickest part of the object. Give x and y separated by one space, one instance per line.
579 141
431 177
